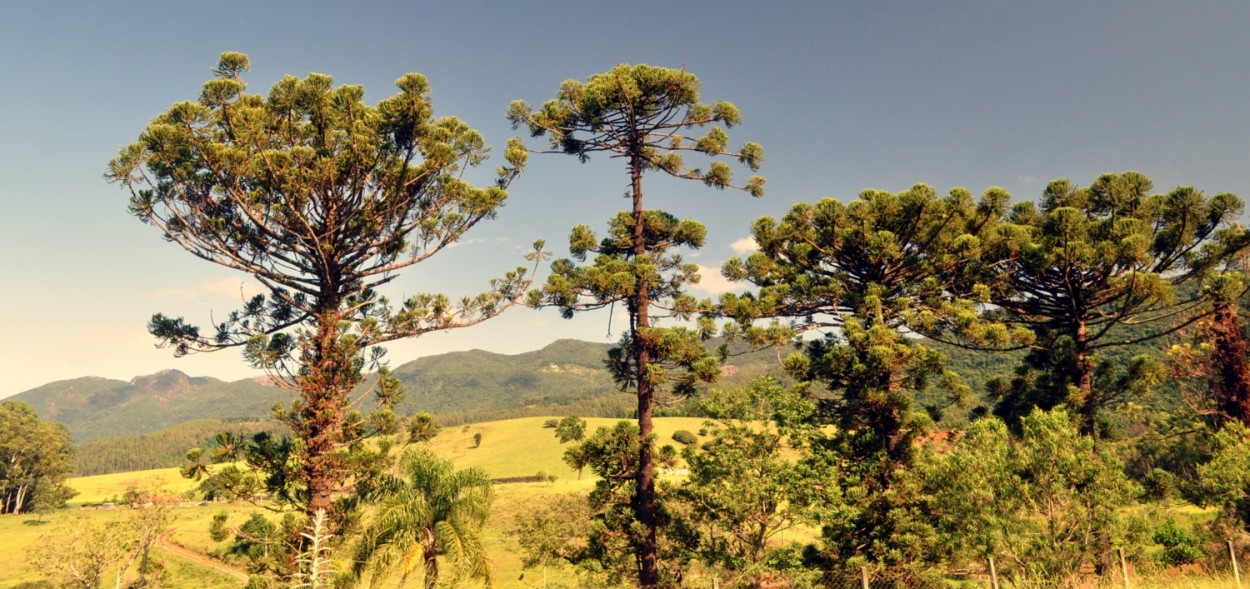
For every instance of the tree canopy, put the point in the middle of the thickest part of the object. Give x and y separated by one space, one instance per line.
322 199
35 459
1085 260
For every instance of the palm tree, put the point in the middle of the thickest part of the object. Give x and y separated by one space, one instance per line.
430 511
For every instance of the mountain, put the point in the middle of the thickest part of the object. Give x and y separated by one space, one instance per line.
566 377
93 408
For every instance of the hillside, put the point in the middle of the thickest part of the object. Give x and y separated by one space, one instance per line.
565 377
94 408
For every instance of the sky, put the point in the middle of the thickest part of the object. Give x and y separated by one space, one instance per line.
843 96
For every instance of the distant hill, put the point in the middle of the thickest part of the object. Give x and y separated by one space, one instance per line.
567 376
93 408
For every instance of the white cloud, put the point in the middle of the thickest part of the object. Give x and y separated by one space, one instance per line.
744 246
711 282
1026 179
472 241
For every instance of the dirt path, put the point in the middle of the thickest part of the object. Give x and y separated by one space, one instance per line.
200 559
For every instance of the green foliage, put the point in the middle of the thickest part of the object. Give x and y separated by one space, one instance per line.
612 532
35 459
870 273
685 437
551 423
322 199
640 113
422 428
743 490
1225 479
77 553
431 514
1179 547
571 429
553 529
1052 499
163 448
1085 260
653 105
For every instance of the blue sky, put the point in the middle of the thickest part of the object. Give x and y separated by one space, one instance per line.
843 96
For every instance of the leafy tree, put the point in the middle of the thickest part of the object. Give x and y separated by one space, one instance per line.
76 552
555 529
571 429
1225 479
322 199
744 490
1050 501
871 273
431 511
1084 261
36 458
639 113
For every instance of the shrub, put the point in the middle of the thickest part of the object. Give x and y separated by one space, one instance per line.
1179 546
684 437
551 423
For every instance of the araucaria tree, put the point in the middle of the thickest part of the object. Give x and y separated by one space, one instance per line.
1085 261
322 199
640 113
870 274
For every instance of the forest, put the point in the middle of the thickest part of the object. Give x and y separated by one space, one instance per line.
867 449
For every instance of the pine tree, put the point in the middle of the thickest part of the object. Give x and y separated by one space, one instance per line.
639 113
322 199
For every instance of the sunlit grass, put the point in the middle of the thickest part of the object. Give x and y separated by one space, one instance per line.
510 448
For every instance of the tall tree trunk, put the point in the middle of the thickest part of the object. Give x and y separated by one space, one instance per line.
1084 380
1231 382
323 390
644 501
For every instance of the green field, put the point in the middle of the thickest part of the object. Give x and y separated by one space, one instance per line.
511 448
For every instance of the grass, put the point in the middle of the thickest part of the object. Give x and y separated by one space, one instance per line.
20 533
510 448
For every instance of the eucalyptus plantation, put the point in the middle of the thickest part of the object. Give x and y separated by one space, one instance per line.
640 114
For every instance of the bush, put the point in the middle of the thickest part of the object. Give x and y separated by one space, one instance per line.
1179 546
684 437
551 423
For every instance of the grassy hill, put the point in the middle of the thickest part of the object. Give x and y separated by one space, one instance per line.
565 378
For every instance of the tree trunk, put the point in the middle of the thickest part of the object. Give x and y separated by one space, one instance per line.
20 499
323 393
644 501
1231 382
1084 378
431 568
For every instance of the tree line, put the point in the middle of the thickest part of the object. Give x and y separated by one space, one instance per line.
324 199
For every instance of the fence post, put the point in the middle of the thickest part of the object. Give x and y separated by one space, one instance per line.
863 577
1232 555
993 574
1123 567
